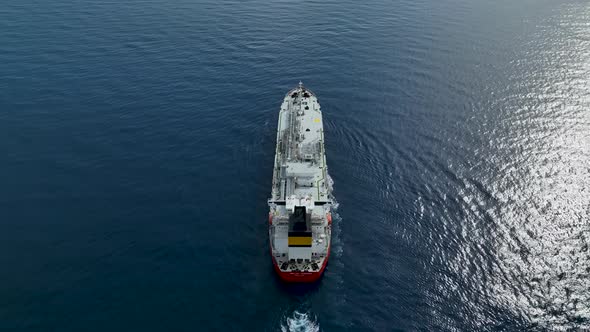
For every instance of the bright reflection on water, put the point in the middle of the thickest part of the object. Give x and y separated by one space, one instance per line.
526 199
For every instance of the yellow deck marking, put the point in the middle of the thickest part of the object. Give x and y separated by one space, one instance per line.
299 241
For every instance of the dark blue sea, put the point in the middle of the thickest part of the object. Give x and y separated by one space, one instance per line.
137 140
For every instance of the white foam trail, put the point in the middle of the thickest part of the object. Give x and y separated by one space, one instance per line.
337 246
300 322
330 182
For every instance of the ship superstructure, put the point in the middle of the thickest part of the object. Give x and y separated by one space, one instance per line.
299 219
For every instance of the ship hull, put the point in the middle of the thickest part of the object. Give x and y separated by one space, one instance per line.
299 207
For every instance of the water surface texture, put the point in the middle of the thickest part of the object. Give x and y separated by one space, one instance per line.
137 144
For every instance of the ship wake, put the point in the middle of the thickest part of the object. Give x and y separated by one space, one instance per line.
300 322
337 245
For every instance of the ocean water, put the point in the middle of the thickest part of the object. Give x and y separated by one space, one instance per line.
136 151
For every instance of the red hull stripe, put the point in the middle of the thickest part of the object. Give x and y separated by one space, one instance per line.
301 276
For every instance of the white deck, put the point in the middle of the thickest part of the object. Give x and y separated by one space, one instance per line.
300 162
